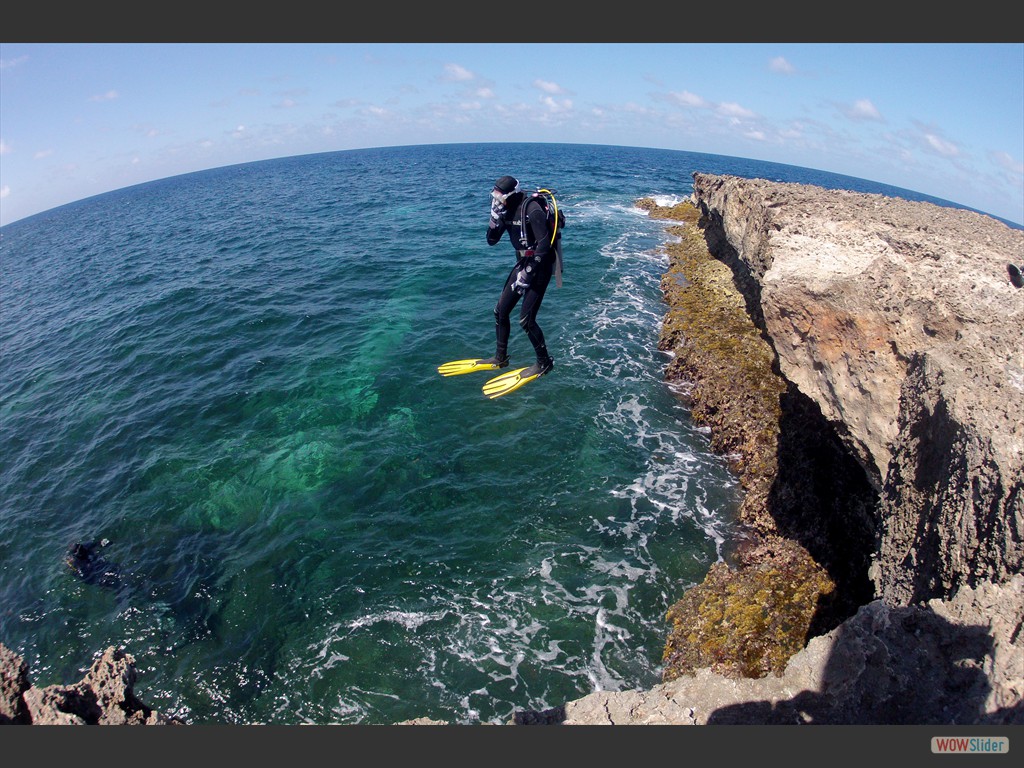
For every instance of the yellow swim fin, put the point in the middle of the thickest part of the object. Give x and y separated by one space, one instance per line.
459 367
513 380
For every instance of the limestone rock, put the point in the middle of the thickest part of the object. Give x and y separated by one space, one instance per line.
13 684
105 696
955 662
898 321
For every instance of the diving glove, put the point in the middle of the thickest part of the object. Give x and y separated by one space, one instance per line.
521 284
498 211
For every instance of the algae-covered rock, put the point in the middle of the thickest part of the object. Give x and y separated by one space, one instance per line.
684 211
747 622
722 361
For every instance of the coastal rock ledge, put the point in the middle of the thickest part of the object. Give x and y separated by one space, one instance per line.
897 340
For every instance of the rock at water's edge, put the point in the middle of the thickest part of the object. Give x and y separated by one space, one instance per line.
105 696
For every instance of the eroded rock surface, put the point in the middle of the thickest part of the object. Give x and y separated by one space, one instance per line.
953 662
898 320
105 696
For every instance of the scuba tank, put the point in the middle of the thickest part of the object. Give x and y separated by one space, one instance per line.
556 222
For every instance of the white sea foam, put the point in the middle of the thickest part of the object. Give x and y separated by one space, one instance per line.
411 620
668 200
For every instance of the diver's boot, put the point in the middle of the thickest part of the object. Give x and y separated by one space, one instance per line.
496 361
540 368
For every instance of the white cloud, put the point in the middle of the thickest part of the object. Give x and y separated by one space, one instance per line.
756 135
8 63
731 109
779 64
548 87
862 109
456 73
794 131
108 96
42 153
1007 162
554 105
631 107
4 147
4 191
687 99
485 93
940 145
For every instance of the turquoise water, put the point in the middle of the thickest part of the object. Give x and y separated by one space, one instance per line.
231 375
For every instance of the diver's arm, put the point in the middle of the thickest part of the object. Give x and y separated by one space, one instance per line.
496 225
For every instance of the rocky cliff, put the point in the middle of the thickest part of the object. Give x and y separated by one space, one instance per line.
898 321
886 444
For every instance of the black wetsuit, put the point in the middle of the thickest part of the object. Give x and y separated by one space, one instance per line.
535 261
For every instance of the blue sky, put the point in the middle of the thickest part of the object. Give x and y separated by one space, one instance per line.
78 119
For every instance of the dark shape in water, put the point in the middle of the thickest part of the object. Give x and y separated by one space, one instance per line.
85 560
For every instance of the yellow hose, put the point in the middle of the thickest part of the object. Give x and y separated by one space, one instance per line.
554 203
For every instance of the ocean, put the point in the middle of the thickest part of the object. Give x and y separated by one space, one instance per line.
230 378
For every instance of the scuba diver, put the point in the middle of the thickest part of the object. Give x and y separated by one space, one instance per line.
87 563
533 223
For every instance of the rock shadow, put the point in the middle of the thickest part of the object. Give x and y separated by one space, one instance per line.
553 716
822 499
891 666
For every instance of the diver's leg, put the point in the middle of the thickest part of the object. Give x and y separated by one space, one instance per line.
528 320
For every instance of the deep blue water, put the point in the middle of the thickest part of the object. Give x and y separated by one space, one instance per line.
231 376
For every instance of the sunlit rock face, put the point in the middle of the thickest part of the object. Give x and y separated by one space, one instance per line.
899 320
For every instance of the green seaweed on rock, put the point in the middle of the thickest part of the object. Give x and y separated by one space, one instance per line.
747 622
724 360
